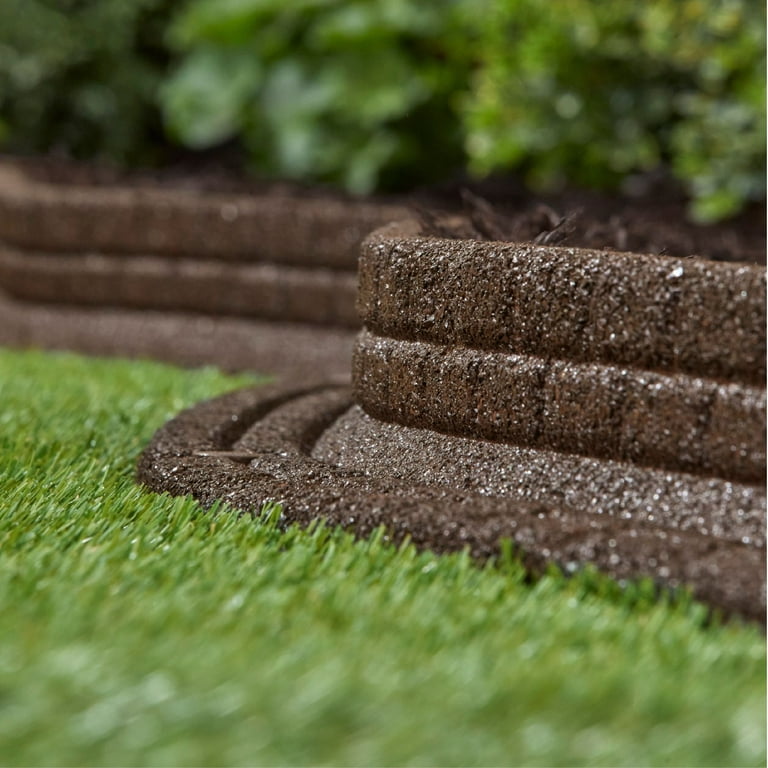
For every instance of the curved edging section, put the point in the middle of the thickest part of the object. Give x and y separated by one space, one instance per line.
677 422
255 445
695 316
281 228
287 350
267 291
259 280
708 505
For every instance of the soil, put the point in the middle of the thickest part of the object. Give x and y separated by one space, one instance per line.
651 223
634 436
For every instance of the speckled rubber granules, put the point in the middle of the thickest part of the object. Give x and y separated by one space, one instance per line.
593 407
275 444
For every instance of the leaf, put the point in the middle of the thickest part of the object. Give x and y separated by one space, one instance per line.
206 96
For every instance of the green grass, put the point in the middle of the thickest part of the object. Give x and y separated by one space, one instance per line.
138 630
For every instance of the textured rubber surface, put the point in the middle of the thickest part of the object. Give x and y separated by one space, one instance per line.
286 350
259 444
674 422
268 291
616 356
177 221
678 315
263 280
709 505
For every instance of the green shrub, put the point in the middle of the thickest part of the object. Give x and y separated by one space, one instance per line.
80 76
591 90
353 92
375 94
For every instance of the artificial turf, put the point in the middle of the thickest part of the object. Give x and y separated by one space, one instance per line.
137 629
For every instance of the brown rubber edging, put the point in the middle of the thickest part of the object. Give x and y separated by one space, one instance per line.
652 312
471 339
273 227
259 444
267 291
271 254
677 422
135 267
678 500
286 350
641 471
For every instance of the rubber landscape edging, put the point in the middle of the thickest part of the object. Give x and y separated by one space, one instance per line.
472 338
657 313
675 422
642 472
285 350
260 445
272 226
669 486
121 267
267 291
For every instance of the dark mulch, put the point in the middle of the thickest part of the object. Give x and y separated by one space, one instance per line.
587 220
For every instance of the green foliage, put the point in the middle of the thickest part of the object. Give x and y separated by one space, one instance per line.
354 92
138 630
80 76
592 90
385 94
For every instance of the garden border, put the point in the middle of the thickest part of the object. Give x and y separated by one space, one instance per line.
256 445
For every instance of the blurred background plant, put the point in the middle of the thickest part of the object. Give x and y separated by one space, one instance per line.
378 95
80 77
359 93
590 91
